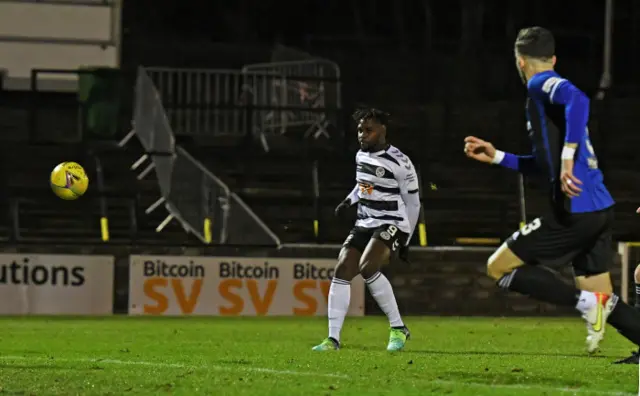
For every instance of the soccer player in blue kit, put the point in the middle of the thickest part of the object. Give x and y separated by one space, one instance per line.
577 224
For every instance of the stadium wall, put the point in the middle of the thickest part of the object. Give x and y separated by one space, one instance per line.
438 281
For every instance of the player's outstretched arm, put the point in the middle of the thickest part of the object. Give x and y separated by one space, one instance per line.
483 151
351 199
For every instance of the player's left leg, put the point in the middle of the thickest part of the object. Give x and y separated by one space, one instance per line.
515 266
635 356
512 273
385 241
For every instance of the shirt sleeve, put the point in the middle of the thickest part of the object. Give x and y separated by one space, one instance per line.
525 164
353 196
576 106
409 191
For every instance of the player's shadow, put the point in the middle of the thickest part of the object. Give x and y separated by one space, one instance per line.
488 353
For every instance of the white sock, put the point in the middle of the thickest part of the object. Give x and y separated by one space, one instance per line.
586 301
381 290
339 299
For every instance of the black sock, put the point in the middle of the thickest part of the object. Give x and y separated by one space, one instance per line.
541 284
626 320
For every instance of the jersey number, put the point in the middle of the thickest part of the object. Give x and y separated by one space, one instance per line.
392 230
528 228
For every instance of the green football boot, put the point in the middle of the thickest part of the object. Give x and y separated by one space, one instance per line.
329 344
397 338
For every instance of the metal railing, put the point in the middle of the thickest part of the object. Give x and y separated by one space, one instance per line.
201 202
295 86
259 99
203 102
79 225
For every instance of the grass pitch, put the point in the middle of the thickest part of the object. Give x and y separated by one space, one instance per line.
272 356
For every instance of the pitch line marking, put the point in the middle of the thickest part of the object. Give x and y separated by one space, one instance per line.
307 373
175 365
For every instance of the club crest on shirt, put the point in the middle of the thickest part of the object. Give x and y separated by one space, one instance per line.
379 171
366 188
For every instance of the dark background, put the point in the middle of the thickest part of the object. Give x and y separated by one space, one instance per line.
475 36
443 69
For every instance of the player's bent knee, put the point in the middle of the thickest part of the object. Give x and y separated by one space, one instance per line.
501 262
494 271
346 270
368 268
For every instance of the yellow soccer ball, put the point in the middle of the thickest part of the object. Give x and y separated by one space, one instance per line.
69 180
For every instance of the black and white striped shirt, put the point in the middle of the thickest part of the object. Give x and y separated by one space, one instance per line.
386 190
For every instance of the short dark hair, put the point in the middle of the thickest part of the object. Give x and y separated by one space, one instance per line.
379 116
536 42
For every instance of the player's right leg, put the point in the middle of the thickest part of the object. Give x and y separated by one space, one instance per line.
591 268
600 285
340 289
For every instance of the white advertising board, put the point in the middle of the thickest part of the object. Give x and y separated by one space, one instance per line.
52 284
234 286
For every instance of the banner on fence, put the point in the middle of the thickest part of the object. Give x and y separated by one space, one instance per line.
52 284
232 286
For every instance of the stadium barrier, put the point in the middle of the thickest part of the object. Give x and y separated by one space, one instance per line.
233 281
206 102
259 100
190 193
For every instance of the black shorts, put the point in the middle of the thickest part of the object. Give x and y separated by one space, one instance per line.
584 239
388 233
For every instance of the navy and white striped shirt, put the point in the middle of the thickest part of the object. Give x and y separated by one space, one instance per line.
386 190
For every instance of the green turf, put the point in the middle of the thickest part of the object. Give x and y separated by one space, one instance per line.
272 356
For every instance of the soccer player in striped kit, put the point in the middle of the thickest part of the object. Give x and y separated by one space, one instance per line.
577 225
388 201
